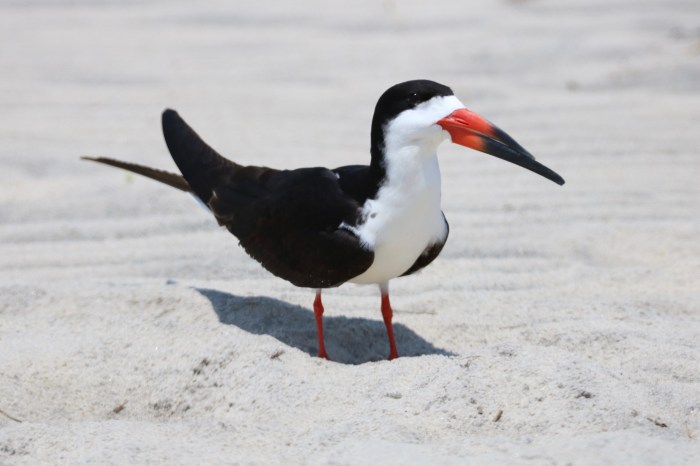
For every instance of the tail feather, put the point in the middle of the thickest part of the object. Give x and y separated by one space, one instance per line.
171 179
202 166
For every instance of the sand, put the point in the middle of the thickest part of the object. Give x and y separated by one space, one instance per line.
559 326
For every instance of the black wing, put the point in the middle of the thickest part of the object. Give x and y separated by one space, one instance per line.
430 253
361 182
288 220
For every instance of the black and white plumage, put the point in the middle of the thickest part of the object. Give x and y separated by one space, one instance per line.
319 227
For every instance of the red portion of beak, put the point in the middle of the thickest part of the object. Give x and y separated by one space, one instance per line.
467 128
471 130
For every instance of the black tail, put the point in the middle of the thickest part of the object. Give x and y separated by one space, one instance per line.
171 179
201 165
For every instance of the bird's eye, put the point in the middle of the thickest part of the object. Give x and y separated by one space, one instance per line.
413 97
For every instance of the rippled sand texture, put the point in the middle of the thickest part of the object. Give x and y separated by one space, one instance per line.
559 326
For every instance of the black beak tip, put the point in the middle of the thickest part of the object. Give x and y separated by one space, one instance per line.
548 173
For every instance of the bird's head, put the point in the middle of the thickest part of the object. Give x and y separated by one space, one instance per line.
416 116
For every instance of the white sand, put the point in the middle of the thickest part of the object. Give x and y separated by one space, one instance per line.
574 311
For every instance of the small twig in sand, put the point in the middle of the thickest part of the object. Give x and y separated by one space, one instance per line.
9 417
119 408
277 354
657 422
498 415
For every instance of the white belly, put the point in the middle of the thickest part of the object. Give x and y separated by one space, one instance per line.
403 220
397 249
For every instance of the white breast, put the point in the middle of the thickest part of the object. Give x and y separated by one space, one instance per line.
403 220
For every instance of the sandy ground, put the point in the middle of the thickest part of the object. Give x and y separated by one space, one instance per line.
559 326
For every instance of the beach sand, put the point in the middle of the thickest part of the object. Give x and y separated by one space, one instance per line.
560 325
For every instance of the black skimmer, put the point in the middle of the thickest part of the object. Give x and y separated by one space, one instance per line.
318 227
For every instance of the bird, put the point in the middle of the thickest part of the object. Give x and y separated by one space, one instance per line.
319 227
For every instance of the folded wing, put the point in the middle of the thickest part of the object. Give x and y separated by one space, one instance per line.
288 220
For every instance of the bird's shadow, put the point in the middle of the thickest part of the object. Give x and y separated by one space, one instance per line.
349 340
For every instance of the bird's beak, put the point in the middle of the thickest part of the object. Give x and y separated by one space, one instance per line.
471 130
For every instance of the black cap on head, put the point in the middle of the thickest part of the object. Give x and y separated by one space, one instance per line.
398 98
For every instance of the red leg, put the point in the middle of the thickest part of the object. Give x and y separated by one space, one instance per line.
387 315
318 313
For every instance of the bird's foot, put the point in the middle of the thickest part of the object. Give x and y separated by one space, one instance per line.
318 313
387 314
